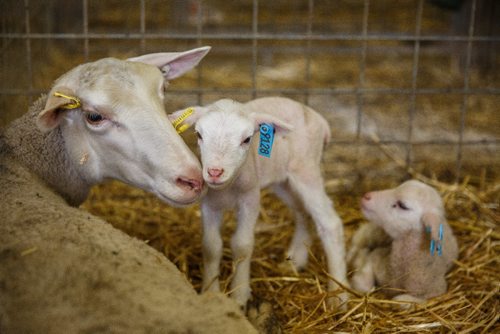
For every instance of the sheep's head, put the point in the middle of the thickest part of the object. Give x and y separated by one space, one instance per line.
225 133
112 118
411 206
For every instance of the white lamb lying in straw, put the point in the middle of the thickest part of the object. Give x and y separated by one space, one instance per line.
235 172
407 248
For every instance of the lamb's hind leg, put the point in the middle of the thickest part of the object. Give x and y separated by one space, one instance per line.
308 185
301 241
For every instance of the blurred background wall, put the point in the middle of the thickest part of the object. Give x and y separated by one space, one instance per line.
417 78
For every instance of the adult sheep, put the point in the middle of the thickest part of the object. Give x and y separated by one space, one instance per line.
63 270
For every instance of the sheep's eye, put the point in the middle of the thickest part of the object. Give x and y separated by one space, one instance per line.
247 140
199 136
94 118
401 205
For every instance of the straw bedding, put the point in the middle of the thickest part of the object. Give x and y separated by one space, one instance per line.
298 299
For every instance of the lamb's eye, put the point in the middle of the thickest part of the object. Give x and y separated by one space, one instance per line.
247 140
198 135
401 205
94 118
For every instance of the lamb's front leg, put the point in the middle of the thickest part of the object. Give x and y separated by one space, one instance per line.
212 246
363 278
242 244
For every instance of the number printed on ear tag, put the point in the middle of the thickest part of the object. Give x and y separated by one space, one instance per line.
266 139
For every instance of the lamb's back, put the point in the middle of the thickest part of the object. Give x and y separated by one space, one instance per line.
310 131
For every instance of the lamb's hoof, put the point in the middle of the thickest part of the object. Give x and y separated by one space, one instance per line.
261 314
408 302
337 303
298 256
362 283
287 268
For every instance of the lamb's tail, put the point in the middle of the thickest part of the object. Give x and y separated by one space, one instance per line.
318 124
324 128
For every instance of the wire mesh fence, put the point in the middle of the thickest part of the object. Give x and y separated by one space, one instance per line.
419 76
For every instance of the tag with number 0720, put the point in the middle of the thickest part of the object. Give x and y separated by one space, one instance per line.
266 139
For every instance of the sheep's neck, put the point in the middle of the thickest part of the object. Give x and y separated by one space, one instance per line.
408 243
407 248
45 155
247 174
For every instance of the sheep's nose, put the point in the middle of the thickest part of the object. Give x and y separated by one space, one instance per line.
215 172
191 184
367 196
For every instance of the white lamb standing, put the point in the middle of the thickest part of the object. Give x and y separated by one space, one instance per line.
63 270
407 247
228 138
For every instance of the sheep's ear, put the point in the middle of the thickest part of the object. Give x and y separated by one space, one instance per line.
173 64
188 116
431 221
50 117
279 125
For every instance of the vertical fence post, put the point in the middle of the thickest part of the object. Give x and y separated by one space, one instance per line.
85 11
255 31
143 25
29 65
414 76
362 69
466 92
310 15
199 35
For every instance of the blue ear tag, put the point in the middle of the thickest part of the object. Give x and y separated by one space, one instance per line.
439 242
266 139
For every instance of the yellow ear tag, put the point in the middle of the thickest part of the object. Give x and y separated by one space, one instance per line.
177 123
74 104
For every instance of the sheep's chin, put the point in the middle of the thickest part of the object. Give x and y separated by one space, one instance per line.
179 203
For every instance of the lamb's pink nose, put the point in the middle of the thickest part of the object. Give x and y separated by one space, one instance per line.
367 197
215 172
190 183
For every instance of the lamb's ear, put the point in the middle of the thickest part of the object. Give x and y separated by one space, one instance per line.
60 99
186 117
431 221
279 125
173 64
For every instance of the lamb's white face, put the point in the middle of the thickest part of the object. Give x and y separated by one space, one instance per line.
224 139
122 132
400 209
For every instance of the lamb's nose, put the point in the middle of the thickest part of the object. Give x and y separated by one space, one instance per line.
367 196
192 184
215 172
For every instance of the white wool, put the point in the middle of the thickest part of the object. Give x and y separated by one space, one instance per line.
235 173
393 250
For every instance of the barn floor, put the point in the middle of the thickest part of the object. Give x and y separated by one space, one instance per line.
298 299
